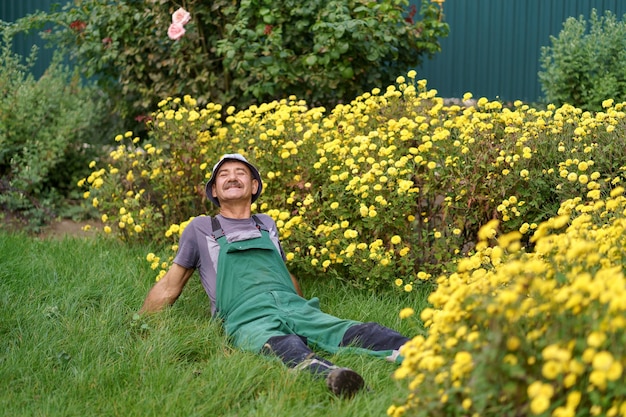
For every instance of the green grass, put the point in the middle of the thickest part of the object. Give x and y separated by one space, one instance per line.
69 345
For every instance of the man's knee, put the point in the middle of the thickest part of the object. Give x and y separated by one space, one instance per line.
291 349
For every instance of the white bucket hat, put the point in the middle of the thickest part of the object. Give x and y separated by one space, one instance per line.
232 157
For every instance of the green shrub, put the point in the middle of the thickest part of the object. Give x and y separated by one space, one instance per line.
244 52
46 128
583 68
384 191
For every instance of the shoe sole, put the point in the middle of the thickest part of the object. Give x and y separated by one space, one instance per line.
344 382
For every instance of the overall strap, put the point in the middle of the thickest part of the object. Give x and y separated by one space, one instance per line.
259 223
217 228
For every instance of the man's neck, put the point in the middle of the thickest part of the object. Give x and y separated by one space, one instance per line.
237 212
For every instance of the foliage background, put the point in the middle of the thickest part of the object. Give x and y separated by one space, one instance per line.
242 53
584 65
49 131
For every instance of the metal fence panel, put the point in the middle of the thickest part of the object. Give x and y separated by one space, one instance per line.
10 11
494 46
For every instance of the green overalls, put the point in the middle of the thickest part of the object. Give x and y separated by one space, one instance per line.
257 300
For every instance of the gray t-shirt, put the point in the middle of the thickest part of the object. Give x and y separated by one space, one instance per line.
197 249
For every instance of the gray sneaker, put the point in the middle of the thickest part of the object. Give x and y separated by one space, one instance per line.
344 382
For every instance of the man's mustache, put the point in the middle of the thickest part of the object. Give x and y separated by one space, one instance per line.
232 184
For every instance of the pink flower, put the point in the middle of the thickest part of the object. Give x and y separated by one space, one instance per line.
181 16
175 31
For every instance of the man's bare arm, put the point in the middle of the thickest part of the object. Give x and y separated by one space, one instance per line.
296 284
167 290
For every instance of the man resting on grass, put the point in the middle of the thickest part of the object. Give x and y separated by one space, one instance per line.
242 268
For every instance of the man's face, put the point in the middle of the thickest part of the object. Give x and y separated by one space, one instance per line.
234 182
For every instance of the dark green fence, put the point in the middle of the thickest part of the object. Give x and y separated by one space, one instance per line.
494 46
493 49
11 10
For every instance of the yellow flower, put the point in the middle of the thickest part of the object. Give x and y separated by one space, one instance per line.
524 228
396 240
513 343
594 194
466 404
399 282
488 231
406 312
350 234
539 404
408 288
596 339
551 370
573 399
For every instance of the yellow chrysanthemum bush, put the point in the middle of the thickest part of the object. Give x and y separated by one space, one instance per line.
516 332
383 191
144 187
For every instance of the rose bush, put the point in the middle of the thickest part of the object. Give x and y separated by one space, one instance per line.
241 53
177 28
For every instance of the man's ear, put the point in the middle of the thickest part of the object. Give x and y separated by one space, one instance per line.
213 190
255 186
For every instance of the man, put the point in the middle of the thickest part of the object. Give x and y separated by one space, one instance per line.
242 268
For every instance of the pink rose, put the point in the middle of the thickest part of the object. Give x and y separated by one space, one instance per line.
175 31
181 16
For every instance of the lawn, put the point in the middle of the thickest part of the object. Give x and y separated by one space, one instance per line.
71 344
